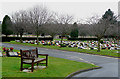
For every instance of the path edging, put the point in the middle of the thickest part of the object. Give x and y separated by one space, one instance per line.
80 71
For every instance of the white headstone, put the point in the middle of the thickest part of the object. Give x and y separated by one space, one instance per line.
0 54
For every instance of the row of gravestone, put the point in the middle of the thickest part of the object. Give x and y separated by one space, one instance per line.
79 44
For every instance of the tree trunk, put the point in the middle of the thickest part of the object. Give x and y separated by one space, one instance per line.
113 40
14 35
21 38
52 36
6 35
37 40
98 45
17 34
61 39
118 42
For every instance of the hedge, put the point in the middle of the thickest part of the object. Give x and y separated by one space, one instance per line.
8 39
82 39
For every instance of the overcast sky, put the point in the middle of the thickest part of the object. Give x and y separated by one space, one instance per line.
79 9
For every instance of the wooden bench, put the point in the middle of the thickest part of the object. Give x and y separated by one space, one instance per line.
32 57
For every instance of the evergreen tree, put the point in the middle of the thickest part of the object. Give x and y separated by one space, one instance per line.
109 15
6 25
74 32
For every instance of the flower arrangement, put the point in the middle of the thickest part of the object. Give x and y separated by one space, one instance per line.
7 50
4 49
11 49
18 53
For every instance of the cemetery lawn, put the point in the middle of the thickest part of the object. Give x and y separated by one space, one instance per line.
111 53
57 67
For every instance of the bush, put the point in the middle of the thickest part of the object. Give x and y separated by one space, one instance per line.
67 36
74 33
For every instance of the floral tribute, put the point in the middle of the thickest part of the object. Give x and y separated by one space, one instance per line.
7 52
11 49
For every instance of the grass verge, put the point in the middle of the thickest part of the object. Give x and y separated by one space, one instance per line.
57 67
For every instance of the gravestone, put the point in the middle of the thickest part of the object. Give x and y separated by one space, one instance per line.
12 54
1 54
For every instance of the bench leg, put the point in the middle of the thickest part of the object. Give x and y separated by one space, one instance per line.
37 64
21 66
32 67
46 61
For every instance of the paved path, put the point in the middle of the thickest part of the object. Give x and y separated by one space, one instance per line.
109 65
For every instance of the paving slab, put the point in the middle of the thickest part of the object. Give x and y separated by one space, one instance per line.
35 67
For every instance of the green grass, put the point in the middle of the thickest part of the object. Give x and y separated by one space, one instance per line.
57 67
60 39
102 52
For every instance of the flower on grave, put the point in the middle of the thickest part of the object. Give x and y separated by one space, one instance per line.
19 55
107 45
59 45
11 48
42 41
4 49
4 54
49 43
7 49
18 52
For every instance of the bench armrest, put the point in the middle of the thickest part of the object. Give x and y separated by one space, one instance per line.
43 54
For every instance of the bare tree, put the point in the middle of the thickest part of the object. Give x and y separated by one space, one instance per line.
19 20
51 29
38 16
114 31
84 30
63 23
99 28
